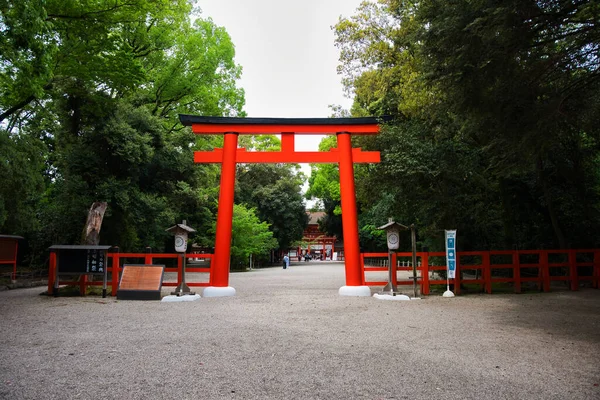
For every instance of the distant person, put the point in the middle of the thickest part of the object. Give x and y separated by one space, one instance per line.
286 261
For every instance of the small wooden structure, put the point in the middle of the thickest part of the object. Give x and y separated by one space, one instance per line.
78 260
9 246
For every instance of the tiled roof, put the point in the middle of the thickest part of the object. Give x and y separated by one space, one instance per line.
314 217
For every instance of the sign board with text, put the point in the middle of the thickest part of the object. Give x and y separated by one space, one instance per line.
451 253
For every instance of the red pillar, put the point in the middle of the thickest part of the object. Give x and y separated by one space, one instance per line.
220 267
349 217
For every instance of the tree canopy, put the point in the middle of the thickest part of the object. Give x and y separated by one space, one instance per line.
90 97
493 106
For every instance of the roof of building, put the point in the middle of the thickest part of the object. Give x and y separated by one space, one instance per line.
314 217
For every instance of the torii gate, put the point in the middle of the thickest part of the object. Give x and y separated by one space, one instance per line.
230 154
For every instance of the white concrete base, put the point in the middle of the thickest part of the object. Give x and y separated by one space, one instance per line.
448 293
364 291
185 297
390 297
214 291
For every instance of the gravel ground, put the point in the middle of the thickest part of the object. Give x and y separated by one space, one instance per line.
289 335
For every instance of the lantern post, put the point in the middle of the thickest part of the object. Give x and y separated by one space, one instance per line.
392 230
181 232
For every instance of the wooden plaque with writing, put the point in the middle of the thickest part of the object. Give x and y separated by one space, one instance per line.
141 282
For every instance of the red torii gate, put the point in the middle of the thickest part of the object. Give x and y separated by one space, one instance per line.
230 154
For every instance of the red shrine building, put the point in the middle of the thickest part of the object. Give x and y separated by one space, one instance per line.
317 244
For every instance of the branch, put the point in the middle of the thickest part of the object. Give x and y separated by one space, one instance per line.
17 107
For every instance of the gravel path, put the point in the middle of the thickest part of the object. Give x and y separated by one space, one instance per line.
289 335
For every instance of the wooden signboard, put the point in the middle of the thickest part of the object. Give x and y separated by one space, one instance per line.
80 260
141 282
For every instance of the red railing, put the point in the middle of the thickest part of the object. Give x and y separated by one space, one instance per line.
540 266
119 259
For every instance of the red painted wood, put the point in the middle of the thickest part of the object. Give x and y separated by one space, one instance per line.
220 273
487 271
425 273
517 272
51 272
349 214
573 270
116 264
323 157
257 129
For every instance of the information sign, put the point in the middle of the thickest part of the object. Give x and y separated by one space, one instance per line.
451 252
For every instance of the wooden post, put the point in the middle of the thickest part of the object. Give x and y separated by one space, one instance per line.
91 231
219 273
394 269
457 276
487 271
545 270
517 271
425 273
91 234
116 264
573 270
596 271
52 273
148 256
349 214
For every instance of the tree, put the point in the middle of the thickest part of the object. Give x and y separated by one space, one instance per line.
102 97
274 190
324 185
491 134
249 236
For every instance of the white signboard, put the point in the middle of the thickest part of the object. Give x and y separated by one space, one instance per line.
393 239
180 243
451 253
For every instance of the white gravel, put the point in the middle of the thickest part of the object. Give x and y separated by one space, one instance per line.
287 334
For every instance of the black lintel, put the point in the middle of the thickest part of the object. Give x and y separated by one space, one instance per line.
78 247
188 120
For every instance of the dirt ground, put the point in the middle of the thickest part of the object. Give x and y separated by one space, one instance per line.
287 334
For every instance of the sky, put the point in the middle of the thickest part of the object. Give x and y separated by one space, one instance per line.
286 49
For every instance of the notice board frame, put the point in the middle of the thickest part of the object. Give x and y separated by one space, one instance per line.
81 260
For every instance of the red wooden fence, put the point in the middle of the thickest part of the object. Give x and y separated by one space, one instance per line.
541 261
116 262
546 265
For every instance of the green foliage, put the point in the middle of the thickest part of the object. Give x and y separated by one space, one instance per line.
493 104
249 236
22 184
90 93
274 190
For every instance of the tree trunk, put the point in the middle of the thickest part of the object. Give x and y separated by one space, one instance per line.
558 233
91 231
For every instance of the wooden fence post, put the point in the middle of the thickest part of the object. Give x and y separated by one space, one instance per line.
116 265
362 268
573 270
394 267
52 273
424 273
457 280
487 271
545 270
148 257
596 271
180 269
516 271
